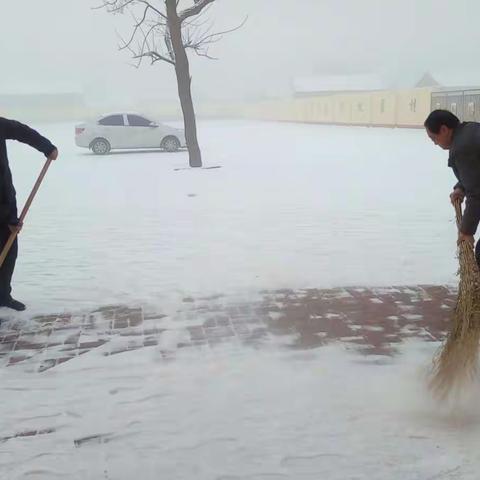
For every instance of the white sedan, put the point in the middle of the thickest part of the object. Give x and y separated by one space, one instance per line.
126 131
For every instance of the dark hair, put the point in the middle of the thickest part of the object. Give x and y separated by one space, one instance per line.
441 117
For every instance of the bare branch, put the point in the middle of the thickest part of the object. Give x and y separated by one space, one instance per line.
138 26
200 54
196 22
195 10
114 6
152 52
156 10
200 50
143 47
199 43
154 56
150 36
215 37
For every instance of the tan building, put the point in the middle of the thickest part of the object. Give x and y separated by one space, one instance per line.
363 100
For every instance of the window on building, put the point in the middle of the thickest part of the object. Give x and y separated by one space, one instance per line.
360 106
382 105
453 107
413 105
471 108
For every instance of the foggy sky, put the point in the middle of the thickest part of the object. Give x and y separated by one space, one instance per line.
64 45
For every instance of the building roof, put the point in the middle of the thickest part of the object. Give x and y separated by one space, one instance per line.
337 83
452 79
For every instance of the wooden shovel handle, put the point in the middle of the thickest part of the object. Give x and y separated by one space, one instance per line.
29 201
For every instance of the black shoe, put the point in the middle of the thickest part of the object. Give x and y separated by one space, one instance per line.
13 304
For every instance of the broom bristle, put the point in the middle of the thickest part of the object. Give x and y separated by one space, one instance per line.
455 365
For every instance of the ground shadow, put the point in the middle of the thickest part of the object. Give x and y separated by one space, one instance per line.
130 152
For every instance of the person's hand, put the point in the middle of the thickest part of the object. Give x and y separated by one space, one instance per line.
457 195
462 237
53 155
16 228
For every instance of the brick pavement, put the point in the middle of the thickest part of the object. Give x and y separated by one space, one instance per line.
372 321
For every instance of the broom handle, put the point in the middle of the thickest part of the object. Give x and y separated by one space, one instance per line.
458 211
29 201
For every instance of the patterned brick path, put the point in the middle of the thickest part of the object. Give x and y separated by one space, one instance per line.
373 321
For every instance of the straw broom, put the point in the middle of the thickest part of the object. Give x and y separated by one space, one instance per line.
456 363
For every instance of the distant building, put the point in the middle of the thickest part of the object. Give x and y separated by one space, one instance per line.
42 105
336 84
455 90
366 100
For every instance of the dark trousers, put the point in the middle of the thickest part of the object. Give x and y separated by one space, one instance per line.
6 270
477 253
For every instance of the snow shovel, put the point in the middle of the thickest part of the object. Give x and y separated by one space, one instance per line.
29 201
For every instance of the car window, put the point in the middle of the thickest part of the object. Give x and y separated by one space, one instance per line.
138 121
112 120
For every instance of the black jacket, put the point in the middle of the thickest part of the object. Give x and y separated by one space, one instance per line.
12 130
465 162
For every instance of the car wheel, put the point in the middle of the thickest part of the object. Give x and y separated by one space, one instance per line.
100 146
171 144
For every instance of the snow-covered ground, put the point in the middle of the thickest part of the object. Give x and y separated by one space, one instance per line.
235 414
292 206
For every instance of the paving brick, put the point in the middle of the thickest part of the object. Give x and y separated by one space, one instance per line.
120 323
196 333
25 345
150 342
219 332
92 344
373 321
17 359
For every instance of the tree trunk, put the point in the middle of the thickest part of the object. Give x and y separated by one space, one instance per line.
182 70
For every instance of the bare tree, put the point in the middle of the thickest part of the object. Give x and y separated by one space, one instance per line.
164 31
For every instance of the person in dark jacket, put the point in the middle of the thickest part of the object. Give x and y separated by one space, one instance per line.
13 130
463 142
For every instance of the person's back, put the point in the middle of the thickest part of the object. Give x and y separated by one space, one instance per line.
463 142
465 156
466 139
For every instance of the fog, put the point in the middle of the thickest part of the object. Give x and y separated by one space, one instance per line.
269 314
67 45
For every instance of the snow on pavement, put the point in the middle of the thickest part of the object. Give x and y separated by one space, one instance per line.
294 207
